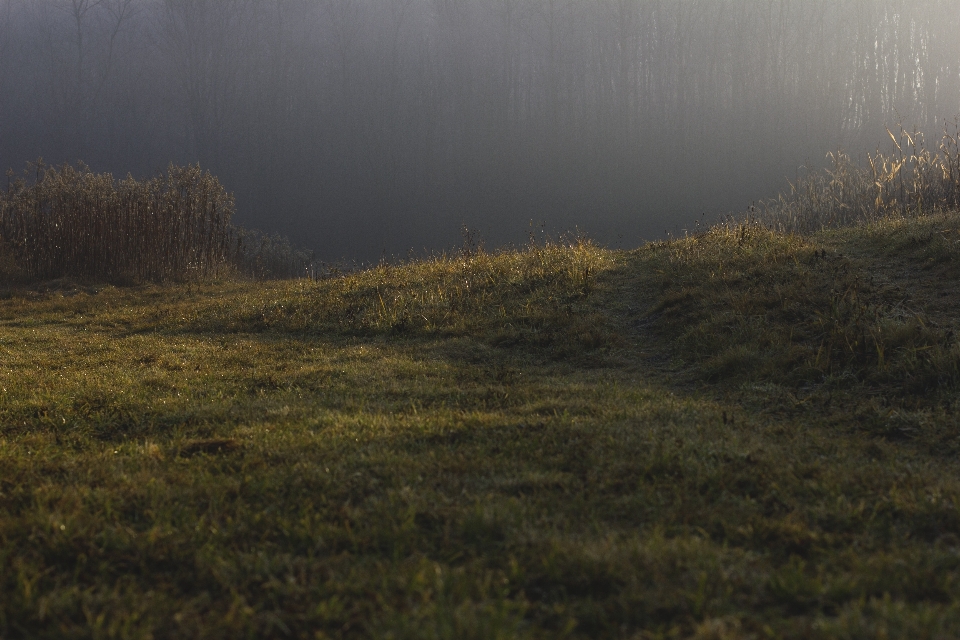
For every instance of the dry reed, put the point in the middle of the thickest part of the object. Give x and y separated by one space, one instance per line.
70 221
908 181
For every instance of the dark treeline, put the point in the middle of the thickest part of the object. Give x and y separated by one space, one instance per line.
362 126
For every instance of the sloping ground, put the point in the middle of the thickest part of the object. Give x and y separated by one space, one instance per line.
738 434
860 320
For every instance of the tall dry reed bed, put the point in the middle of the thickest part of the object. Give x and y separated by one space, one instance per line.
909 180
70 221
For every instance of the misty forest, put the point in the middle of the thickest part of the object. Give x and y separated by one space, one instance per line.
369 128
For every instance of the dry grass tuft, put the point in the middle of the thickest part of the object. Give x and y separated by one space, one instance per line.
909 180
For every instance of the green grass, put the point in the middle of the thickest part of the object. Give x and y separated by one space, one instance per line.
739 434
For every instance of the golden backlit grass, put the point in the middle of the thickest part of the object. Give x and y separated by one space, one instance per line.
695 439
909 179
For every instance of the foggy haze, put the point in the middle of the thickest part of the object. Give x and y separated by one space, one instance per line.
364 127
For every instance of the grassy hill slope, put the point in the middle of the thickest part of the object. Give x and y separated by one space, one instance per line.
735 434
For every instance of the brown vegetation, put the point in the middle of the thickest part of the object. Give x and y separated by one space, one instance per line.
909 180
72 222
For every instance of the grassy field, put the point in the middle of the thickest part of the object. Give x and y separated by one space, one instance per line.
738 434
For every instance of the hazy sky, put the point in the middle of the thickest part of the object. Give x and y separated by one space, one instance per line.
364 127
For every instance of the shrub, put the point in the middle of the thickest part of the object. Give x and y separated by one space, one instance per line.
260 256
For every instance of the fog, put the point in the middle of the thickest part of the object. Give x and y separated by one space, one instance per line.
369 128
